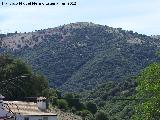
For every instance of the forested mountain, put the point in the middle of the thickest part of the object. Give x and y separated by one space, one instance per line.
97 61
114 98
80 56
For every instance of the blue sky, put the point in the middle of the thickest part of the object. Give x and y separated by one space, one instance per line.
141 16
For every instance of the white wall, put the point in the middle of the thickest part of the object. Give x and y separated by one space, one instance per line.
41 105
36 117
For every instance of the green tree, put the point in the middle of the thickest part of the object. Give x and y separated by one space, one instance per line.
69 98
73 101
101 116
148 90
51 95
18 81
62 104
85 114
91 106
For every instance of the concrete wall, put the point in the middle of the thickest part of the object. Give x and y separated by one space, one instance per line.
36 117
41 105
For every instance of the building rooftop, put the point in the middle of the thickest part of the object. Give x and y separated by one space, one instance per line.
26 108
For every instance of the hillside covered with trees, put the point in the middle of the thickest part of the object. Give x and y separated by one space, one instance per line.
92 70
80 56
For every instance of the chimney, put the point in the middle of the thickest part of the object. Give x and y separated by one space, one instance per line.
3 113
41 103
1 98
